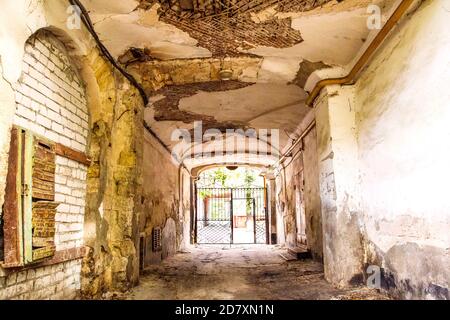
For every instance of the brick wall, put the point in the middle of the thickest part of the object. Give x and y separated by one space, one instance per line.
51 102
60 281
50 97
70 190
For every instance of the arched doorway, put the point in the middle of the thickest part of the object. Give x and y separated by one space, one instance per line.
231 207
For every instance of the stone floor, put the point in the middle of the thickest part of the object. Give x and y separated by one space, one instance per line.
239 272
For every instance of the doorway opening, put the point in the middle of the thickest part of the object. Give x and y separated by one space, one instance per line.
231 207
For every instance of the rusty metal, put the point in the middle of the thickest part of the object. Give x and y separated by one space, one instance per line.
12 255
58 257
71 154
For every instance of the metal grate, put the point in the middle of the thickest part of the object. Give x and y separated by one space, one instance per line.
156 239
218 232
231 215
261 232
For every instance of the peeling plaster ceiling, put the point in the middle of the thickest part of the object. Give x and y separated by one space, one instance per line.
332 33
226 27
271 46
261 101
266 106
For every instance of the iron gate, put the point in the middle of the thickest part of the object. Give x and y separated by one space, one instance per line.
231 216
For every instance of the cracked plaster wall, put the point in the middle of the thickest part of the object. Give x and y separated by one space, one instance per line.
301 173
383 162
114 184
115 111
165 200
402 119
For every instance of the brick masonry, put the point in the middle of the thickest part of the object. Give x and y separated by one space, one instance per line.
70 190
50 97
51 102
59 281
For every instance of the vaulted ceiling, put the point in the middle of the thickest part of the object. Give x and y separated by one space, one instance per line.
178 49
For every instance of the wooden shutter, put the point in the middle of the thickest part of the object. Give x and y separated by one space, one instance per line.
29 211
43 229
43 204
43 171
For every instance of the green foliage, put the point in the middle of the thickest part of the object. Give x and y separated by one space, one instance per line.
248 180
223 178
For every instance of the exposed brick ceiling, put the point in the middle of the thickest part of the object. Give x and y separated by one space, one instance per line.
167 46
225 26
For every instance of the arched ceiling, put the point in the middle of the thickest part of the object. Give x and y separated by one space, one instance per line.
176 49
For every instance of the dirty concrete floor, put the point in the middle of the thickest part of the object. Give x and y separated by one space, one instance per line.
239 272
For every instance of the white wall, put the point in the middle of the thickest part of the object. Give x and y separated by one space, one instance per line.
339 186
403 116
384 156
166 200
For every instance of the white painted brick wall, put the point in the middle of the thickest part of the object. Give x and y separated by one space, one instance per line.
50 97
51 102
70 190
61 281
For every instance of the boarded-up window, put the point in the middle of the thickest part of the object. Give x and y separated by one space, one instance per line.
44 207
43 171
29 210
43 222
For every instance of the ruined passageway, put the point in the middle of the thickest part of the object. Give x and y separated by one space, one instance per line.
224 149
249 272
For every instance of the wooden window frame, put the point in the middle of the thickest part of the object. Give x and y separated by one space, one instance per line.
12 225
17 215
20 204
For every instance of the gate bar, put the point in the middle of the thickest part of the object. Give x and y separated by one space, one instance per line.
231 217
254 221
